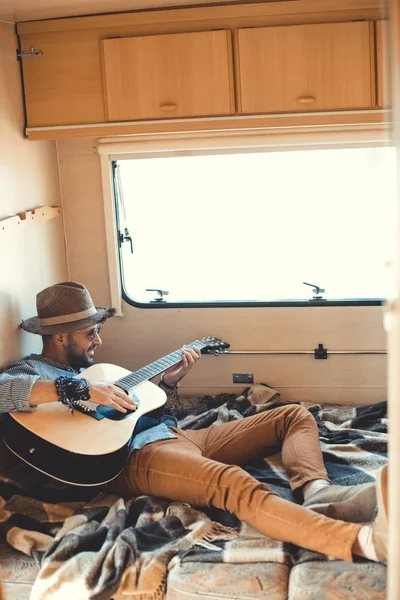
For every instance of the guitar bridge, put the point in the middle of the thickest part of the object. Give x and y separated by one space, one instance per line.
88 408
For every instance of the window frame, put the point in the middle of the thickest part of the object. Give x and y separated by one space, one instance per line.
111 151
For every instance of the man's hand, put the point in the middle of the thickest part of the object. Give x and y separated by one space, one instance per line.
109 394
175 373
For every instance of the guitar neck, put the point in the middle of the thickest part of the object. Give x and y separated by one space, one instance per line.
155 368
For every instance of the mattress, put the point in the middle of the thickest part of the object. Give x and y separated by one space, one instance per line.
251 565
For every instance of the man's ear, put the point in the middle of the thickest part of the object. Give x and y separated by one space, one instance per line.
59 338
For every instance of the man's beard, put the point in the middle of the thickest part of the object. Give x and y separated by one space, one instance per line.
76 357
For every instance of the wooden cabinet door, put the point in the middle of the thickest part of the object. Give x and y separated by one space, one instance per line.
382 63
172 75
63 86
306 67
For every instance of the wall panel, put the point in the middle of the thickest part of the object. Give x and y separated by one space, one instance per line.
34 257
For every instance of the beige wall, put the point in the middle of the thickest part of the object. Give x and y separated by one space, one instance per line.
34 256
143 335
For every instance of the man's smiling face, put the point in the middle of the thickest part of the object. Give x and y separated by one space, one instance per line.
81 346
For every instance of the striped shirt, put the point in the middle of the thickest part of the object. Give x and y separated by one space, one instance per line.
18 378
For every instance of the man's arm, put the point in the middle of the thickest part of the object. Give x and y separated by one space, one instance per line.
101 392
25 391
15 391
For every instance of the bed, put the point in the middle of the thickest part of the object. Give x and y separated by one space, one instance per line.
151 549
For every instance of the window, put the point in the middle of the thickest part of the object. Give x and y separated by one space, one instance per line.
251 227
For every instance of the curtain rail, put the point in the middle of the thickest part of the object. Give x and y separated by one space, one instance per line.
312 352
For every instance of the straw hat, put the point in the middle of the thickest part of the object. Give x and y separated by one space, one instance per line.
65 307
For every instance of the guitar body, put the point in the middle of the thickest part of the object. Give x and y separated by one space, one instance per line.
90 447
76 448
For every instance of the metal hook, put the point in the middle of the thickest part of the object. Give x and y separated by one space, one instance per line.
316 289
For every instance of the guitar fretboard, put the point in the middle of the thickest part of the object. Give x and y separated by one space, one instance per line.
156 367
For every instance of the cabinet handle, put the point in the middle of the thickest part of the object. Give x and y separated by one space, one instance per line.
168 107
306 99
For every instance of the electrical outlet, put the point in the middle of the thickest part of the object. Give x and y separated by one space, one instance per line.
242 377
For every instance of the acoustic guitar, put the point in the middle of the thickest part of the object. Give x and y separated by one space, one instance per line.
91 446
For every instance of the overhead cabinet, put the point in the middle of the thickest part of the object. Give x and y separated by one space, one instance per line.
172 75
228 67
315 67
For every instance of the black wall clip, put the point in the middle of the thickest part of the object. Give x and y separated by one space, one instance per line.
320 353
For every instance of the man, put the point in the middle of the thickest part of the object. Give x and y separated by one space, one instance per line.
199 467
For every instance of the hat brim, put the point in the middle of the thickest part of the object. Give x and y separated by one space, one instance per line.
33 325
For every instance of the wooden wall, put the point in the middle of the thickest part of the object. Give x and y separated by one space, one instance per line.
34 256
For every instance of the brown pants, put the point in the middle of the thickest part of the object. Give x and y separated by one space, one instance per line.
201 468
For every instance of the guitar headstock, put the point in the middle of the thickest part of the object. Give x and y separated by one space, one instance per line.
213 345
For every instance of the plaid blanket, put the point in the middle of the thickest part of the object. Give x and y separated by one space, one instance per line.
105 547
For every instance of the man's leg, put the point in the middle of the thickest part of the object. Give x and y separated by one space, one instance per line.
176 469
290 430
293 430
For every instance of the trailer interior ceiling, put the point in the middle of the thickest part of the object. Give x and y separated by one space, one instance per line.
32 10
